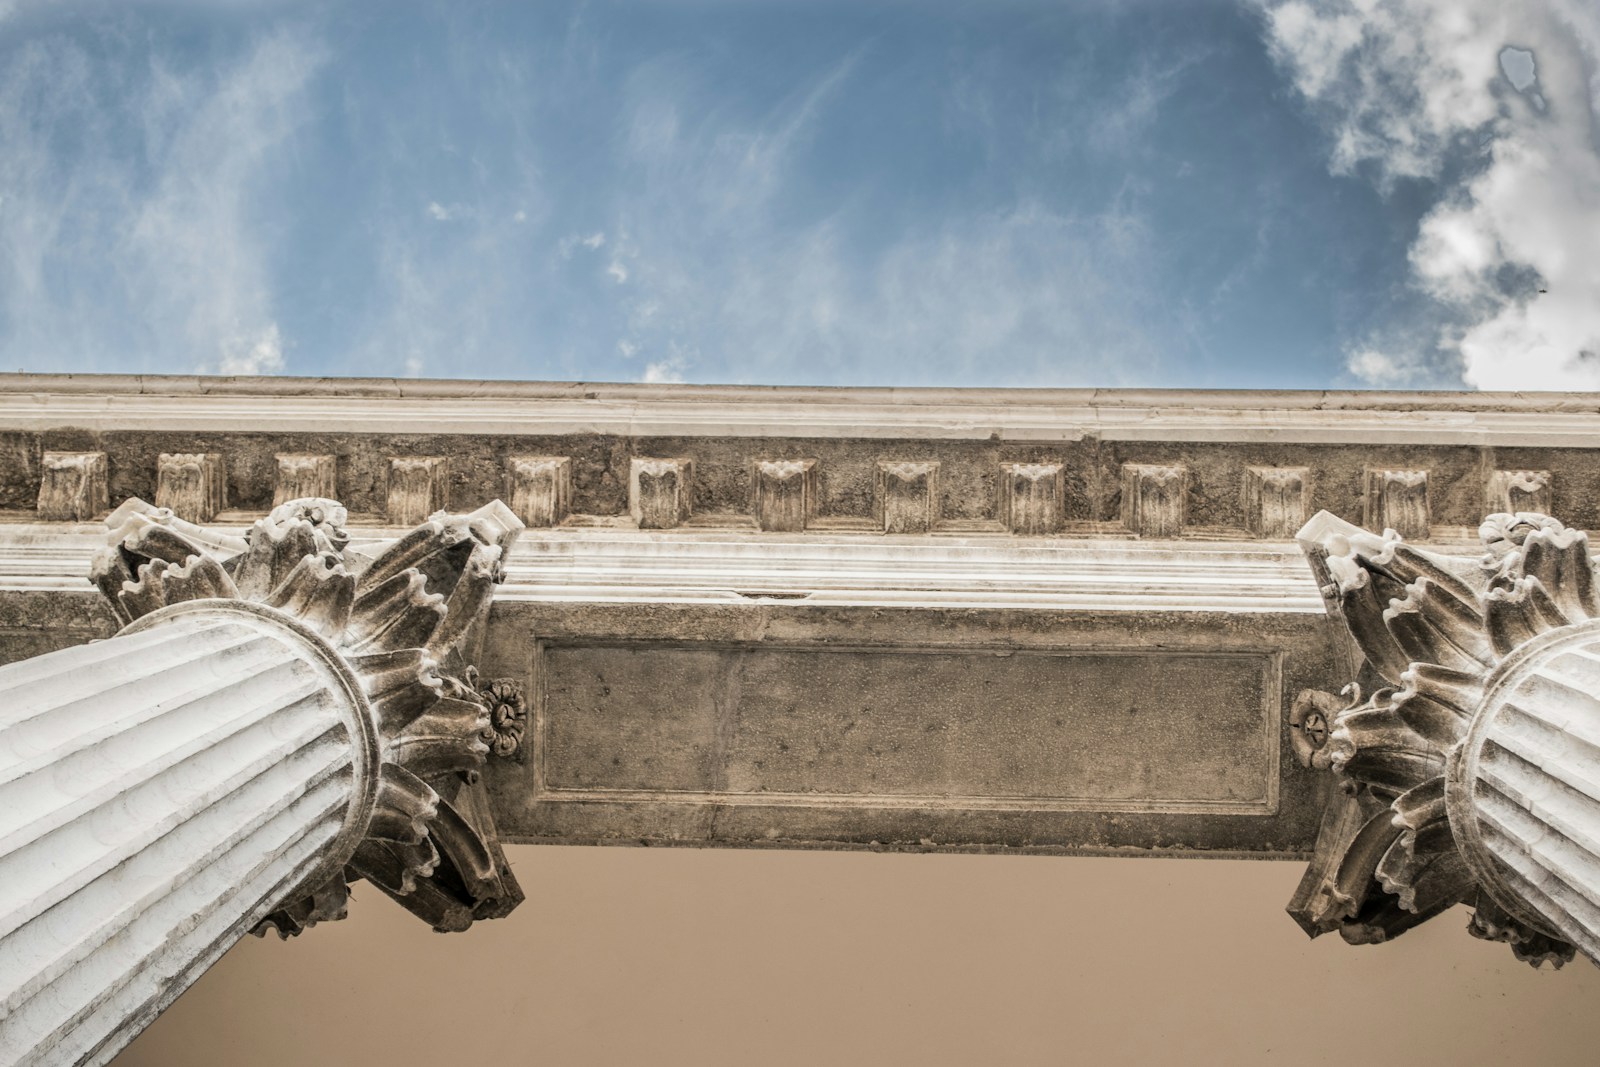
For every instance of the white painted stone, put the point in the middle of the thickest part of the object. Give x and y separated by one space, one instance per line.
160 792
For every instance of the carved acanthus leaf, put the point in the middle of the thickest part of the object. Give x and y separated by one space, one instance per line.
1432 630
400 622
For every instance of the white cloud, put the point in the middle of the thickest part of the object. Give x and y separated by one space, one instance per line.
152 207
570 243
665 370
262 354
617 272
627 349
1507 96
439 213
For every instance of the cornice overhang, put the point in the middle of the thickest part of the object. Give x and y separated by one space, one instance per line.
396 405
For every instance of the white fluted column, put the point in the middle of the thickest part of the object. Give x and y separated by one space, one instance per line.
160 793
1524 788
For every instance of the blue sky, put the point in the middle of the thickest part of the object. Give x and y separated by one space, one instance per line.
1198 194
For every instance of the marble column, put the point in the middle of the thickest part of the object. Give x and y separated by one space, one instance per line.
1467 750
275 718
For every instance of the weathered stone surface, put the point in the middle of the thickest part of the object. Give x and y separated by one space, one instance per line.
1514 491
194 485
1029 731
785 494
305 476
923 728
907 496
1032 497
418 487
1398 500
539 489
73 487
660 492
1336 437
1468 775
1155 499
1275 500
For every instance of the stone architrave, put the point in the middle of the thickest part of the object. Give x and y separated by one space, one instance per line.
276 717
1467 747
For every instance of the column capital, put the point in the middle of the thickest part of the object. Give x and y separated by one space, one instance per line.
1466 748
396 630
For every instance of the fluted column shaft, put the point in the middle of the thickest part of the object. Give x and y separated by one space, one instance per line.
160 793
1524 788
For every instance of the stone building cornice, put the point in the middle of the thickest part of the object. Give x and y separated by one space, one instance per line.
398 405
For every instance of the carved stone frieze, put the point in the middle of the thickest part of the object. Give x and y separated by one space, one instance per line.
1466 751
402 622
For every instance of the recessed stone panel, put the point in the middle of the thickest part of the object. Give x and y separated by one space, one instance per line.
1095 731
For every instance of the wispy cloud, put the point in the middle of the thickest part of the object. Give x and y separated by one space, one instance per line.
1428 90
142 184
718 264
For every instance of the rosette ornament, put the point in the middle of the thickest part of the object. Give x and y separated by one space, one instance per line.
1471 772
403 622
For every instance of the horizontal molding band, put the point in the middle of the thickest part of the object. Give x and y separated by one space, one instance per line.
118 402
